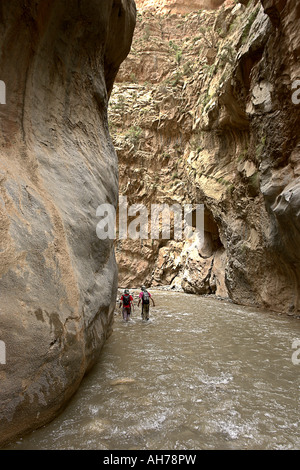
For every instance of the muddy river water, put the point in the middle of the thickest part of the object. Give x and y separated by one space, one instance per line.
201 374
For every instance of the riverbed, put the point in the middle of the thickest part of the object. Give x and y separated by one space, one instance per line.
200 374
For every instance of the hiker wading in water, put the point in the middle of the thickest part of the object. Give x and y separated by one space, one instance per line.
127 301
145 297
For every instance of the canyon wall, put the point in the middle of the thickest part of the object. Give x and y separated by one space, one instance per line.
203 114
178 6
58 281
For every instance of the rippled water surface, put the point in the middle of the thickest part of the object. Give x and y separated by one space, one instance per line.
201 374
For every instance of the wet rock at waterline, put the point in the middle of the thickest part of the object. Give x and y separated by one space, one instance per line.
58 281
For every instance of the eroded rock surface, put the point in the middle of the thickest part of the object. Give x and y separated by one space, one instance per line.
178 6
58 281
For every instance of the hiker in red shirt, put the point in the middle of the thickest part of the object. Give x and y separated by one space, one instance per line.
127 301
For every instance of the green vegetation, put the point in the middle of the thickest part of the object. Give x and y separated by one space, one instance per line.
260 148
178 52
207 98
223 181
120 104
209 36
134 134
249 24
133 78
175 79
227 56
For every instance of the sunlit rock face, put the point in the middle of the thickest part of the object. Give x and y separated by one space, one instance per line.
58 281
206 110
179 6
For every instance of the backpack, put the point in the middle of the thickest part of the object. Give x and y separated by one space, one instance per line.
146 298
126 301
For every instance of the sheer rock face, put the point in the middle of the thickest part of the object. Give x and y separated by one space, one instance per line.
279 123
178 6
208 117
58 281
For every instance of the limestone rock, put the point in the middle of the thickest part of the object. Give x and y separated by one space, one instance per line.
58 281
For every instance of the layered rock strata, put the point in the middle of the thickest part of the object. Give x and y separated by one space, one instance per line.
178 6
203 114
58 281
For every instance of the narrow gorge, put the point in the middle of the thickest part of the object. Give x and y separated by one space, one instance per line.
202 113
160 102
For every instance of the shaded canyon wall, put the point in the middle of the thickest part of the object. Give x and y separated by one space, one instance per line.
58 281
203 113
